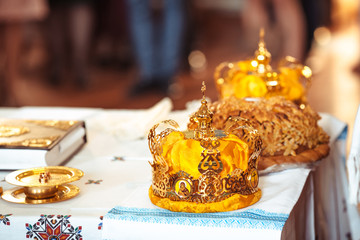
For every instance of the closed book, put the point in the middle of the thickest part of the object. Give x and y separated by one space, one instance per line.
36 143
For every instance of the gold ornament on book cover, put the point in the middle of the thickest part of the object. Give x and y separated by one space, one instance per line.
43 134
204 169
58 124
10 131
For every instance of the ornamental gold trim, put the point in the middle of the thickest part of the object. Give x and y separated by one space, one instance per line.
226 74
210 186
11 131
32 142
58 124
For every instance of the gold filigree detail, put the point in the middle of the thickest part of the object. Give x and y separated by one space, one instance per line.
10 131
255 77
203 119
58 124
160 177
262 56
210 186
155 139
210 157
243 129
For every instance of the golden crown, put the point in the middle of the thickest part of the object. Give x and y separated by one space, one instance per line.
203 169
256 78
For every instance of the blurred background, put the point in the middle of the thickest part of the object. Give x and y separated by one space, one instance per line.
88 53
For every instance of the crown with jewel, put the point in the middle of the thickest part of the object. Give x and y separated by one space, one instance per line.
256 78
203 169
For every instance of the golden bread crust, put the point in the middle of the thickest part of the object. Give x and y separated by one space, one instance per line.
289 134
307 156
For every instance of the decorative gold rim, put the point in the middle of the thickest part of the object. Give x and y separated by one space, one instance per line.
235 202
69 175
17 195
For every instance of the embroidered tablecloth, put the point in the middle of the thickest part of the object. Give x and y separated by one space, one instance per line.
265 219
114 191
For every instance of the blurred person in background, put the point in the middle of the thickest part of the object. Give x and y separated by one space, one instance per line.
70 24
317 14
285 15
157 44
13 15
112 42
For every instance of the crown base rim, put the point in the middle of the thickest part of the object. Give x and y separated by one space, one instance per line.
235 202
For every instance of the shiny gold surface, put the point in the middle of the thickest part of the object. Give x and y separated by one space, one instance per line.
33 142
202 119
34 134
64 192
40 192
44 177
204 175
256 78
62 125
262 58
10 131
30 177
43 182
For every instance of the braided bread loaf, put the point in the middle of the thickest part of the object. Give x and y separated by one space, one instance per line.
290 134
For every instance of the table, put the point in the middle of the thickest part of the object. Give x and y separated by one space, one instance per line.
115 191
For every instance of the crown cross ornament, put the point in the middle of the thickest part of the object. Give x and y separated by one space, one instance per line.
204 169
203 119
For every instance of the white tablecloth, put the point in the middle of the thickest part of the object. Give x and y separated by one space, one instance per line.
263 220
118 190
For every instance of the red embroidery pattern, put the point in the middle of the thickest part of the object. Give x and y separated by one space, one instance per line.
49 227
4 219
101 223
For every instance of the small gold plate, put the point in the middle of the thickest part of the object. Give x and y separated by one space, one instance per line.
17 195
30 177
43 182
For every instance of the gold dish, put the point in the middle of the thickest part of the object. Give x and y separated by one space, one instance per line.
43 182
17 195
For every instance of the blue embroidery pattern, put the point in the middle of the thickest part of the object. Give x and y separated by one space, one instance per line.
252 218
343 134
101 223
4 219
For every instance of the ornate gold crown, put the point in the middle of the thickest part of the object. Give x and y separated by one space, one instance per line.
255 77
204 169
